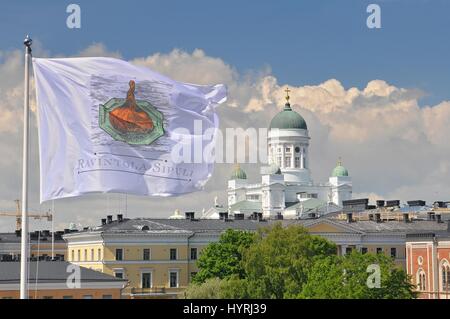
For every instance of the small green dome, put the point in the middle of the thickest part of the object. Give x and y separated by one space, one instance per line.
238 173
288 119
339 171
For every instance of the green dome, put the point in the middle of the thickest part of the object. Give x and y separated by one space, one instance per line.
238 173
288 119
339 171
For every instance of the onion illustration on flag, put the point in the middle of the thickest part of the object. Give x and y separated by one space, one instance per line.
132 121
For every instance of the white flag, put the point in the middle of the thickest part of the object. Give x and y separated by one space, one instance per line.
106 125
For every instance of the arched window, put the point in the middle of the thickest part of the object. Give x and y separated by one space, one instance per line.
420 280
445 276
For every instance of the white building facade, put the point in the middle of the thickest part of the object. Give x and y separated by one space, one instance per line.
287 188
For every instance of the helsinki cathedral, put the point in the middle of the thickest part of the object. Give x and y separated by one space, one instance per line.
287 189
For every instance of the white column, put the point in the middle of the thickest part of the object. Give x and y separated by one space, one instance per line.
292 156
302 156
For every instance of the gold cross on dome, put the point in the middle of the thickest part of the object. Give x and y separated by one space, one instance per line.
287 93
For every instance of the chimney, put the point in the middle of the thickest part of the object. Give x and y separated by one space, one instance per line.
380 203
103 221
238 216
439 218
378 217
119 218
406 217
223 215
349 217
189 215
109 219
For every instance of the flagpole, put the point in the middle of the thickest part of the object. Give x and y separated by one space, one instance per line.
26 114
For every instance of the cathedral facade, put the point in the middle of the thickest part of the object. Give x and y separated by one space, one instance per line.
287 189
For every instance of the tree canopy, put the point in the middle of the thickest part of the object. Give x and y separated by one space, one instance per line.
223 258
288 262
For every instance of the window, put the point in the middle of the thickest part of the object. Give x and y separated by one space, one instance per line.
72 257
118 274
297 162
146 280
279 150
92 254
79 255
287 161
146 254
67 297
420 280
85 255
193 253
99 254
379 250
119 254
87 297
364 250
297 149
287 149
173 253
107 296
253 197
279 160
173 279
47 297
445 277
394 252
348 250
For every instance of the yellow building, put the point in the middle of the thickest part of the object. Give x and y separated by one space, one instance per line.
377 235
157 256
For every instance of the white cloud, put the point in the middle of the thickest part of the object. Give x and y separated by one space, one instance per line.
392 147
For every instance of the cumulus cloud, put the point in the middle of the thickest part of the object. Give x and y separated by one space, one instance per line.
393 147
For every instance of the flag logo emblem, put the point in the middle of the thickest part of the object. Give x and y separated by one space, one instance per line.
135 122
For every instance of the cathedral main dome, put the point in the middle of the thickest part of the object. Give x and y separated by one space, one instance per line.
288 119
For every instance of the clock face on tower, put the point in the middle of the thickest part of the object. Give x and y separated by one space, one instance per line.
297 149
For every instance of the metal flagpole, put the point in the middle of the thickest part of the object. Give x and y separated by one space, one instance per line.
26 114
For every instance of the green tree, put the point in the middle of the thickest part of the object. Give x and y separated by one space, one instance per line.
276 263
222 259
215 288
346 277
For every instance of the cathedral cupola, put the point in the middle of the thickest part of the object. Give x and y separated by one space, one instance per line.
339 170
288 118
238 173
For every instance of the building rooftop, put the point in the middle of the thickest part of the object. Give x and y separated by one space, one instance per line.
13 238
50 272
177 225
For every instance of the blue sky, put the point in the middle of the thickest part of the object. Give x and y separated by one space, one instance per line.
304 42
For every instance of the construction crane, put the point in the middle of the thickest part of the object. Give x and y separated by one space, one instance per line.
18 215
